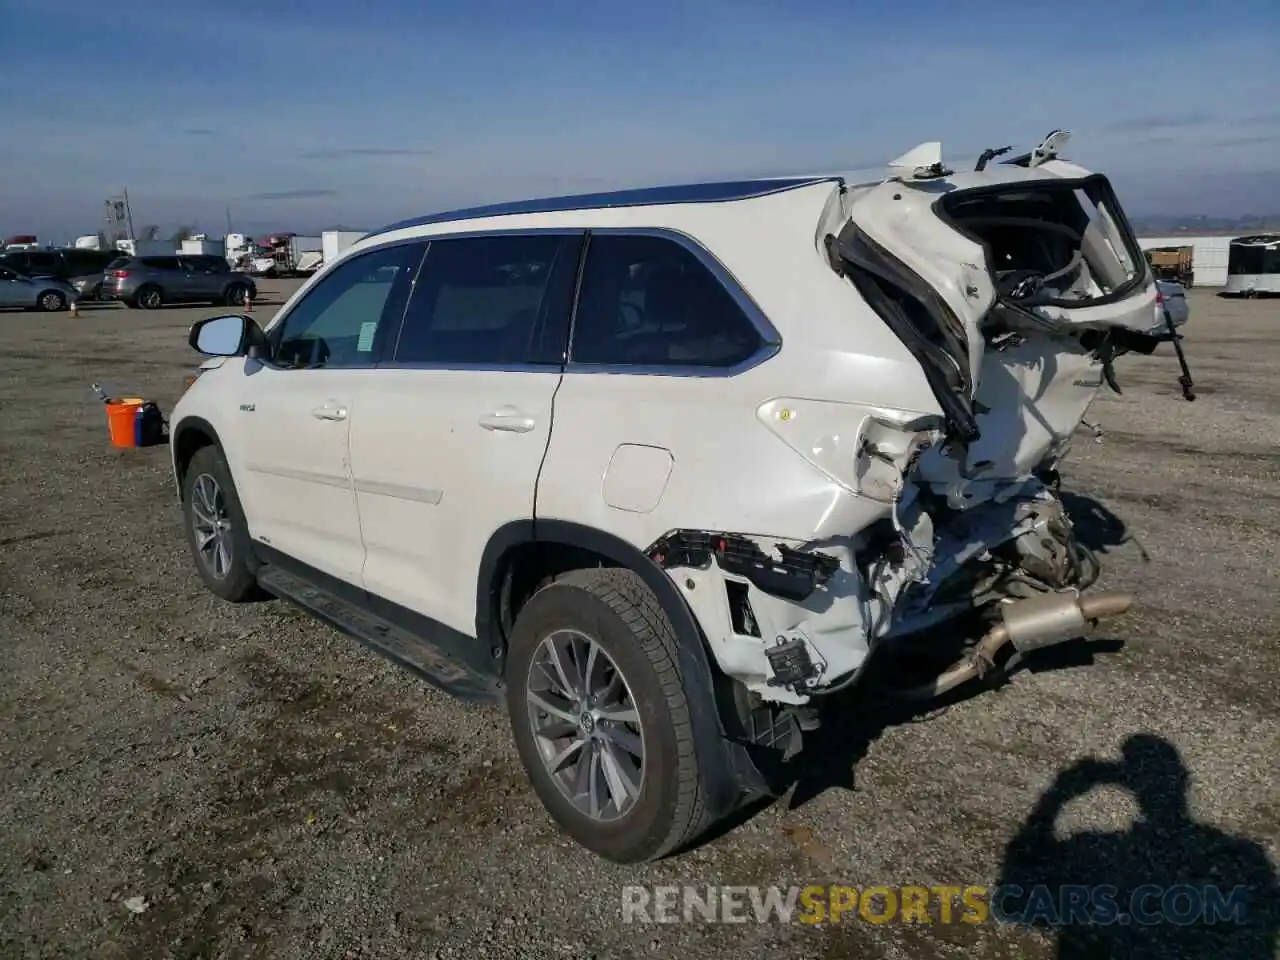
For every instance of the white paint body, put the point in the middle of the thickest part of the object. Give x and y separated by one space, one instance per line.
400 486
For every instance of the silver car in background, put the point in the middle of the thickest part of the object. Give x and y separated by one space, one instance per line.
39 293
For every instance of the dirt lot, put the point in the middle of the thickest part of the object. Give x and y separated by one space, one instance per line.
272 790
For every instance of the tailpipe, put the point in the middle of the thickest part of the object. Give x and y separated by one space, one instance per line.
1030 624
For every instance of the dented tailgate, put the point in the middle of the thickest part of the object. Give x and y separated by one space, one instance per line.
1008 286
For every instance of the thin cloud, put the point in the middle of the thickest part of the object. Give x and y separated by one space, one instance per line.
199 132
1160 122
346 153
312 194
1246 141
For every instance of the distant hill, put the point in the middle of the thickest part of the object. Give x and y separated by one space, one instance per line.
1165 224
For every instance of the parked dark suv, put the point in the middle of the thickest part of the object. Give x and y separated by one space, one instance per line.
81 268
152 282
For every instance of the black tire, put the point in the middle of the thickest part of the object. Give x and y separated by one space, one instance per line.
51 301
149 297
234 295
617 610
237 583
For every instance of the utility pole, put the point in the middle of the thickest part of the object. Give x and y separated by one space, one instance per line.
128 212
228 220
120 216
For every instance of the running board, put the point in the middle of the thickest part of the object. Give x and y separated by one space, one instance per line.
403 648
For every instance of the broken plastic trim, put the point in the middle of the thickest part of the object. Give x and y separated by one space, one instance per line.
871 269
793 578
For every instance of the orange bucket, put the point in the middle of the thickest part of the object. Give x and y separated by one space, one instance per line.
122 417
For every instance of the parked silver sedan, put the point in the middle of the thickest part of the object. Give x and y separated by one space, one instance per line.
42 293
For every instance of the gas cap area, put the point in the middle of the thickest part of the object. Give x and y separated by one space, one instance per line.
637 477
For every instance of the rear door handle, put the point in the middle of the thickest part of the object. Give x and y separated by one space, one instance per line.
508 420
329 413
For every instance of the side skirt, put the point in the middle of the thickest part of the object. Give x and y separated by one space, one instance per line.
445 658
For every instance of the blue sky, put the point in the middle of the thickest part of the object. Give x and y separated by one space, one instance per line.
300 115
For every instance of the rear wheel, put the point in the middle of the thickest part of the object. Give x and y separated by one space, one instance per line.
51 301
216 528
149 298
235 294
600 718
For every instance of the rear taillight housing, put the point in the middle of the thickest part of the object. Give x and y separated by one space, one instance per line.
120 274
1159 296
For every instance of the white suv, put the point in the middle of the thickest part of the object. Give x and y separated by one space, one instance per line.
661 468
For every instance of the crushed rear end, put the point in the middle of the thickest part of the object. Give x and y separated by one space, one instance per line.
1014 288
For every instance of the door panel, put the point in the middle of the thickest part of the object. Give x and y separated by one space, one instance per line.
199 283
447 447
433 482
15 291
295 472
299 408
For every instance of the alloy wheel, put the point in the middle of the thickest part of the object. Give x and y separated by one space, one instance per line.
212 525
586 725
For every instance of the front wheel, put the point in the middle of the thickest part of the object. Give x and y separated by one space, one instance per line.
51 301
216 528
600 718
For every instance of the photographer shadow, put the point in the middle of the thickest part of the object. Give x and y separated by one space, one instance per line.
1166 887
1096 526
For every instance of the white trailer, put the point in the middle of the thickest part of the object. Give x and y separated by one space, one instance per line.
147 248
199 248
334 242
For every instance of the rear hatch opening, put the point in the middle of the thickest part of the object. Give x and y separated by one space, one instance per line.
1062 243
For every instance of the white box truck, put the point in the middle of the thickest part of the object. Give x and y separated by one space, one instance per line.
334 242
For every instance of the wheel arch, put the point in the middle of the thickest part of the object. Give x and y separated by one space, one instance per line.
510 544
190 435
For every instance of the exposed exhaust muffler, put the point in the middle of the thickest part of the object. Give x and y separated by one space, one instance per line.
1030 624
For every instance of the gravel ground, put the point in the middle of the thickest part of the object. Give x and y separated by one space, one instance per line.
273 790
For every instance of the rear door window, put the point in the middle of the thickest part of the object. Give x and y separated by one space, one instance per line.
45 264
82 262
205 264
500 300
162 263
649 301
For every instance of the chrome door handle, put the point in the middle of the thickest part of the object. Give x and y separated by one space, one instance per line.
508 420
330 413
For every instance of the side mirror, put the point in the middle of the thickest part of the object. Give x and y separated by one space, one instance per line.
230 336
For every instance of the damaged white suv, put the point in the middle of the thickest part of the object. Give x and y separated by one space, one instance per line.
661 468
